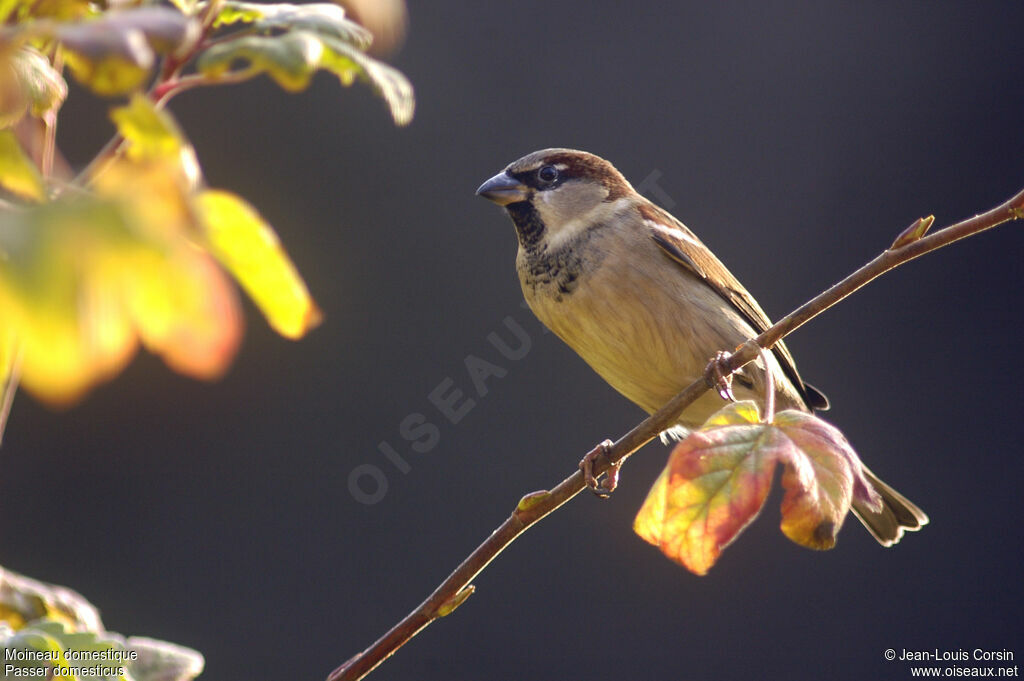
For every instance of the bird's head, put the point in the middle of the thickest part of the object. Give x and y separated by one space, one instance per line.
553 194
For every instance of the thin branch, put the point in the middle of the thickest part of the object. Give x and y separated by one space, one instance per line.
168 83
163 93
531 508
9 386
50 124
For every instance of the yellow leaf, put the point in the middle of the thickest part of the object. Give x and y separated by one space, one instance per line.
84 282
155 194
153 135
248 247
185 311
106 60
113 75
17 173
714 485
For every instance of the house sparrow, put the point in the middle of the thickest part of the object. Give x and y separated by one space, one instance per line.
644 302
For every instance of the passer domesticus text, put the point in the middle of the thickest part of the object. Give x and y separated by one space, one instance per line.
641 299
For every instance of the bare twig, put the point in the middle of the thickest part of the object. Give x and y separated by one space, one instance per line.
50 124
164 91
456 588
9 386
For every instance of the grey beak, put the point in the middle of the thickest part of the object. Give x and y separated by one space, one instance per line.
503 189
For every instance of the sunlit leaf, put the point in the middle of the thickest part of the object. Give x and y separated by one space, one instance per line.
28 83
715 483
7 7
718 478
237 12
17 173
152 135
293 57
148 132
85 280
180 302
249 249
69 325
822 477
185 311
61 10
324 18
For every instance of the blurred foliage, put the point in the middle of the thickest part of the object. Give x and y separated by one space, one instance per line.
137 250
45 628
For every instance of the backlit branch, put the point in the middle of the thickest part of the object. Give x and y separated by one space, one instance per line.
910 244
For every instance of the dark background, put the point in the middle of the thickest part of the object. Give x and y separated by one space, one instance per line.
795 140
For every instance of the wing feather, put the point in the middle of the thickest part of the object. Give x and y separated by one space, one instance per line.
684 248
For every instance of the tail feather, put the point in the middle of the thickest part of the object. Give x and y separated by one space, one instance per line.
898 514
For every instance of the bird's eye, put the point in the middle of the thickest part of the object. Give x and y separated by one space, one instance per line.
547 174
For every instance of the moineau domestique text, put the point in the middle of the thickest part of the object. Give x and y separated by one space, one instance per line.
29 655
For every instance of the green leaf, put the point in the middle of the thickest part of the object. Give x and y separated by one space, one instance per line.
52 632
389 83
292 58
718 478
17 173
235 12
23 599
28 83
324 18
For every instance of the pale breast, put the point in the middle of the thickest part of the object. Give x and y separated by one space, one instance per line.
642 323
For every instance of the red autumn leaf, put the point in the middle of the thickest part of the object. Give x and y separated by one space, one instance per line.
718 478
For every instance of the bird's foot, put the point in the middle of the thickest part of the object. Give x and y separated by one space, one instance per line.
718 377
604 484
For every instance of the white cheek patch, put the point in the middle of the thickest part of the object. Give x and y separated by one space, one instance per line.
569 209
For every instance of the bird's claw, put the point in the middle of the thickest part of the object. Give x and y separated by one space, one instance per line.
605 484
718 378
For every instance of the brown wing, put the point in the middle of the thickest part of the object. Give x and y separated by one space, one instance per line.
684 248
